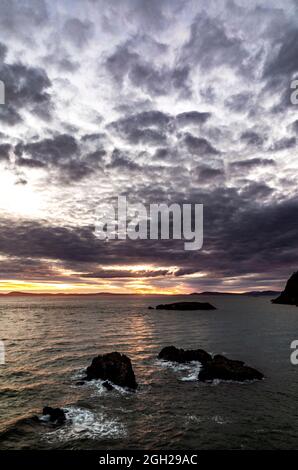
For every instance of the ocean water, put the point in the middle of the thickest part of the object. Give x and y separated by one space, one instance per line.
49 343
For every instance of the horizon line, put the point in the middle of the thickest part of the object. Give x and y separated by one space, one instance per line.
94 294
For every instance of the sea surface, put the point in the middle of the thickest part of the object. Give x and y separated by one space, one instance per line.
50 341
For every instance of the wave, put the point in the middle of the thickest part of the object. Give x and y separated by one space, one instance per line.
82 423
191 368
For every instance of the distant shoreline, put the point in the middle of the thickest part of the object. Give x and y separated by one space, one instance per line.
106 294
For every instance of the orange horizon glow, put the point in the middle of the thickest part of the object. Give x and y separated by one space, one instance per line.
136 286
133 286
136 282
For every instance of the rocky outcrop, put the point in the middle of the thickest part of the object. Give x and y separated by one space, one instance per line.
56 415
290 295
173 354
186 306
113 367
222 368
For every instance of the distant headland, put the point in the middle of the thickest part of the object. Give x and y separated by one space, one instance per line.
100 294
289 296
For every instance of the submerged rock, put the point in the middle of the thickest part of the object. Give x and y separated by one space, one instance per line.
290 295
223 368
173 354
186 306
114 367
56 415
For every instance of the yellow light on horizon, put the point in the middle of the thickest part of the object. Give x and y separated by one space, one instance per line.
137 286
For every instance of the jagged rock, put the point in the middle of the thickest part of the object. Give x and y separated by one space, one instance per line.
171 353
290 295
186 306
56 415
223 368
150 308
114 367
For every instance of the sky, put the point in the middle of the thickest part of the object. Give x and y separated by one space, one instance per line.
161 101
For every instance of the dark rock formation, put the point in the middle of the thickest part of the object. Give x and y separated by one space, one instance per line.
226 369
114 367
186 306
150 308
170 353
56 415
290 294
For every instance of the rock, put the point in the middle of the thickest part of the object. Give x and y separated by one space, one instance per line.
56 415
171 353
114 367
150 308
186 306
290 295
223 368
108 386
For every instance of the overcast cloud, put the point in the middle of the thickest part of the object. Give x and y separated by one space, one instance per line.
162 101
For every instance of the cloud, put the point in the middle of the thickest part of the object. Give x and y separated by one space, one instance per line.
243 237
5 150
211 45
156 80
23 17
240 102
199 145
209 174
192 118
3 51
252 138
285 61
154 100
120 161
283 144
149 127
63 153
77 32
252 163
26 88
50 151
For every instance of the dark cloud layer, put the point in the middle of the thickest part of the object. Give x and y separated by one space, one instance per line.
259 239
26 88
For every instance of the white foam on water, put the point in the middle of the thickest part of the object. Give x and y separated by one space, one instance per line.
97 385
99 389
82 423
219 419
194 369
191 368
193 419
215 382
79 374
